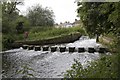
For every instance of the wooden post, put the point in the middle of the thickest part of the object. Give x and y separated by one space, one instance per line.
97 38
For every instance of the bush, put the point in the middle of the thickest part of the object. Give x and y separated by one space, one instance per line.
36 29
7 41
105 67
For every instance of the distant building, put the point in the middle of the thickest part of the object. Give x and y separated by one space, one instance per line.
76 23
68 24
57 25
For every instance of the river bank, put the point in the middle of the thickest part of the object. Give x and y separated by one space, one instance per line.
45 35
54 40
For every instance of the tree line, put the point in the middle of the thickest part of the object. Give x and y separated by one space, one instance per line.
36 16
14 24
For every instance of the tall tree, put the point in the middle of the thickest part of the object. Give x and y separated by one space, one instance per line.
39 16
9 14
99 18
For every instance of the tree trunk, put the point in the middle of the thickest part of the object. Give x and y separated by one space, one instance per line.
97 39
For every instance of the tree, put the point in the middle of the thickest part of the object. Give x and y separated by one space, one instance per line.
114 18
100 18
9 15
26 23
39 16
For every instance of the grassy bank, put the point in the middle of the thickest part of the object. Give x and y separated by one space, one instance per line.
43 33
66 38
111 41
51 35
105 67
39 33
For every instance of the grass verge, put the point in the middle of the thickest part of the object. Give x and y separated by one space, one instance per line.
43 33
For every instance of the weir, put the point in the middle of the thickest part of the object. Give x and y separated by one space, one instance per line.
51 61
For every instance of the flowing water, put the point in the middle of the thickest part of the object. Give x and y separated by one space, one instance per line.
47 64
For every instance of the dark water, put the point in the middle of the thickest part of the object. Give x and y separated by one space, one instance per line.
45 64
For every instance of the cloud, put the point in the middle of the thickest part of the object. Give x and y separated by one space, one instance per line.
64 10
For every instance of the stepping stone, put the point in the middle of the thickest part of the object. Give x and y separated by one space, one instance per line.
37 48
103 50
45 48
91 50
82 49
25 46
53 49
71 49
62 49
30 47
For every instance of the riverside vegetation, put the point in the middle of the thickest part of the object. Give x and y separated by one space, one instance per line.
36 23
97 18
43 33
14 25
39 23
105 67
100 19
37 33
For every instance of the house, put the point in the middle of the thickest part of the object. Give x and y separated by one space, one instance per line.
66 24
76 23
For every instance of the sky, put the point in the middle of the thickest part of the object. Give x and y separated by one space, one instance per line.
64 10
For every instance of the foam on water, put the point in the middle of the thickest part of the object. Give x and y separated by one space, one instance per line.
50 64
84 43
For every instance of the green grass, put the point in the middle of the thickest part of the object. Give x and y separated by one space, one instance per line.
43 33
38 33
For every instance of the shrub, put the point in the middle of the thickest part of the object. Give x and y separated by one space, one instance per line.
105 67
7 41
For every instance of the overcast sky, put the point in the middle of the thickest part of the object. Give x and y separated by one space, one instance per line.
64 10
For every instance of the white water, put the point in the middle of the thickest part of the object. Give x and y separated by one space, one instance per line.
50 64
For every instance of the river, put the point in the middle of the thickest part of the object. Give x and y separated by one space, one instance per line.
46 64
